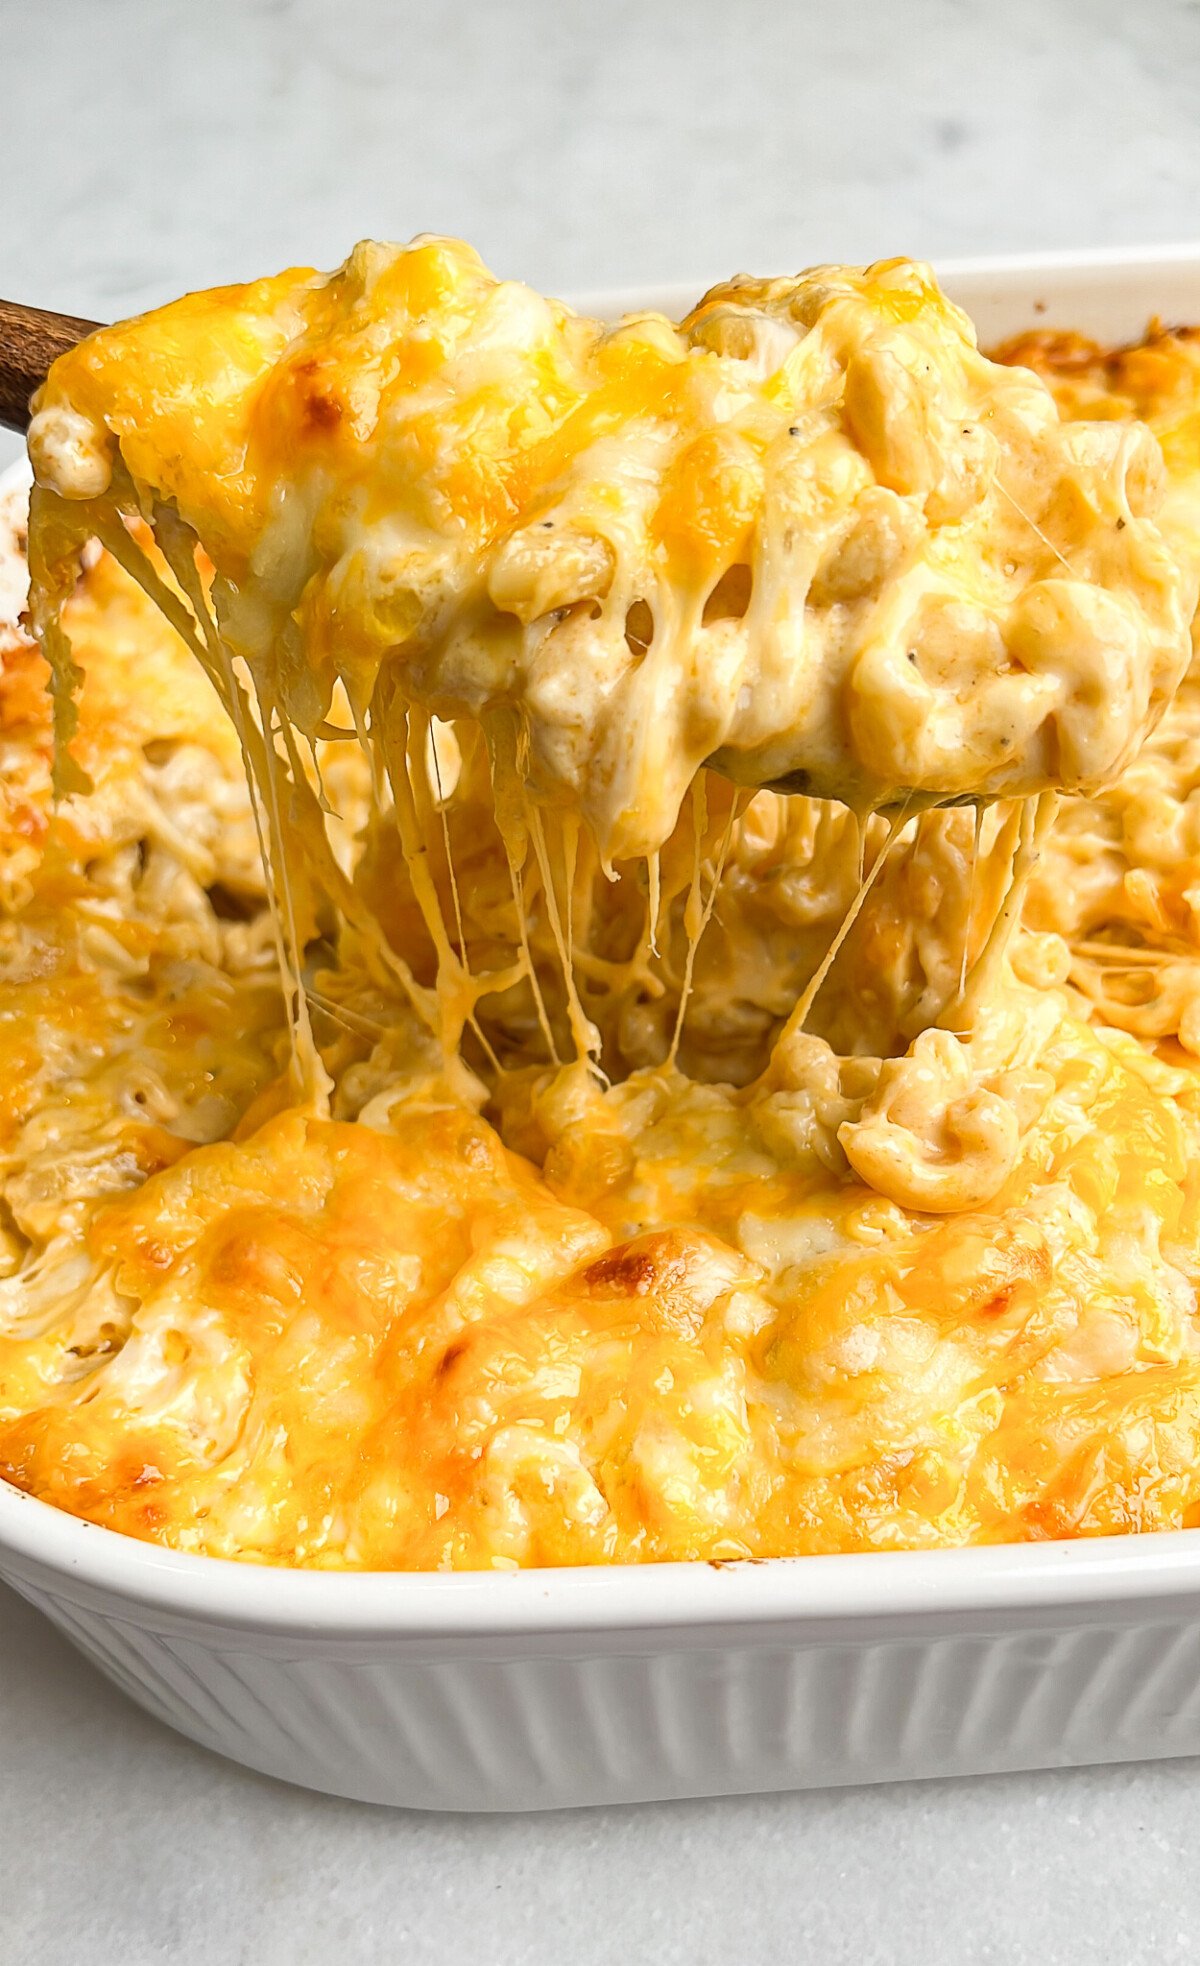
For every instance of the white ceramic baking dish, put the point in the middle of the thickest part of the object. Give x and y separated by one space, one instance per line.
556 1687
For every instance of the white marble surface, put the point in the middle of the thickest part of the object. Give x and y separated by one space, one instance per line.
150 145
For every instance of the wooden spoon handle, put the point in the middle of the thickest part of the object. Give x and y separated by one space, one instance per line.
30 339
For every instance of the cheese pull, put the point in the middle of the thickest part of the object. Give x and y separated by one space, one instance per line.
809 535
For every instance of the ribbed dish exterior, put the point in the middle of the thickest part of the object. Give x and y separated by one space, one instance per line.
621 1717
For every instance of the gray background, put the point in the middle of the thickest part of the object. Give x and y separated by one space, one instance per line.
151 145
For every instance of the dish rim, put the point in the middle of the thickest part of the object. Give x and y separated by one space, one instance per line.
880 1587
876 1587
1074 267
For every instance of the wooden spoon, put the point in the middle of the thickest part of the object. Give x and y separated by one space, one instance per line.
30 339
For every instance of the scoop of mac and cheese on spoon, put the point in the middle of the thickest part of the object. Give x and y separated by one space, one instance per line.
810 535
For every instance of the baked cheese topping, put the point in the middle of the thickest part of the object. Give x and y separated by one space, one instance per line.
824 1182
1120 877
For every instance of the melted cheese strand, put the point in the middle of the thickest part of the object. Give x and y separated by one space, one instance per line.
1119 955
706 916
501 729
260 762
369 751
584 1035
238 708
693 914
516 879
1002 855
178 547
351 1020
262 765
799 1015
976 842
481 983
453 988
1034 820
1034 527
653 899
315 1082
455 899
570 852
